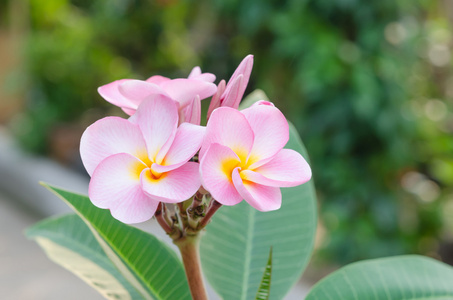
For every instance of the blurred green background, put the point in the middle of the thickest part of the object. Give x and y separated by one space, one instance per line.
368 84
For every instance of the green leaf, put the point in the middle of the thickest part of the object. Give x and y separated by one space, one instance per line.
254 96
400 278
235 243
146 262
265 285
68 242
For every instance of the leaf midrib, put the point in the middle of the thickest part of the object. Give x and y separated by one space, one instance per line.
248 254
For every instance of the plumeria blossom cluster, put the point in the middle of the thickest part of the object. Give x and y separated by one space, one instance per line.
161 154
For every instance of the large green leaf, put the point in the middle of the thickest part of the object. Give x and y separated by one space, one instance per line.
147 263
234 249
396 278
69 243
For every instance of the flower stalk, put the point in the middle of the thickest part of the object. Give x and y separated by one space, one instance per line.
211 211
162 221
186 236
189 248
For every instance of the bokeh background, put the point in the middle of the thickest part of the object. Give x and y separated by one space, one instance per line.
368 84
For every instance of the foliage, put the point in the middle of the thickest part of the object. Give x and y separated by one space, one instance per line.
146 263
123 262
400 278
364 82
68 242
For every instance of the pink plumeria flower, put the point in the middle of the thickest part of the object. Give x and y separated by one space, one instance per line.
135 165
129 93
230 95
242 157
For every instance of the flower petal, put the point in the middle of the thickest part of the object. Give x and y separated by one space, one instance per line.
111 93
233 96
271 132
230 128
263 102
261 197
185 90
157 79
187 142
287 168
157 118
196 74
196 71
129 111
215 101
245 69
192 112
140 208
110 136
137 90
115 184
195 115
174 186
208 77
216 168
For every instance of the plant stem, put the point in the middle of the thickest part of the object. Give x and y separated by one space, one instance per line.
160 219
166 216
197 201
211 211
189 248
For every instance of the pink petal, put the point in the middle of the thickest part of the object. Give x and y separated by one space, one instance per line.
187 142
196 74
139 208
157 79
215 101
174 186
115 184
245 69
216 169
137 90
196 71
183 112
208 77
261 197
110 136
195 113
129 111
233 96
271 132
185 90
111 93
191 113
287 168
263 102
157 118
229 128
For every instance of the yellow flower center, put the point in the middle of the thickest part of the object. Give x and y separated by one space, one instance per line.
228 165
138 167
